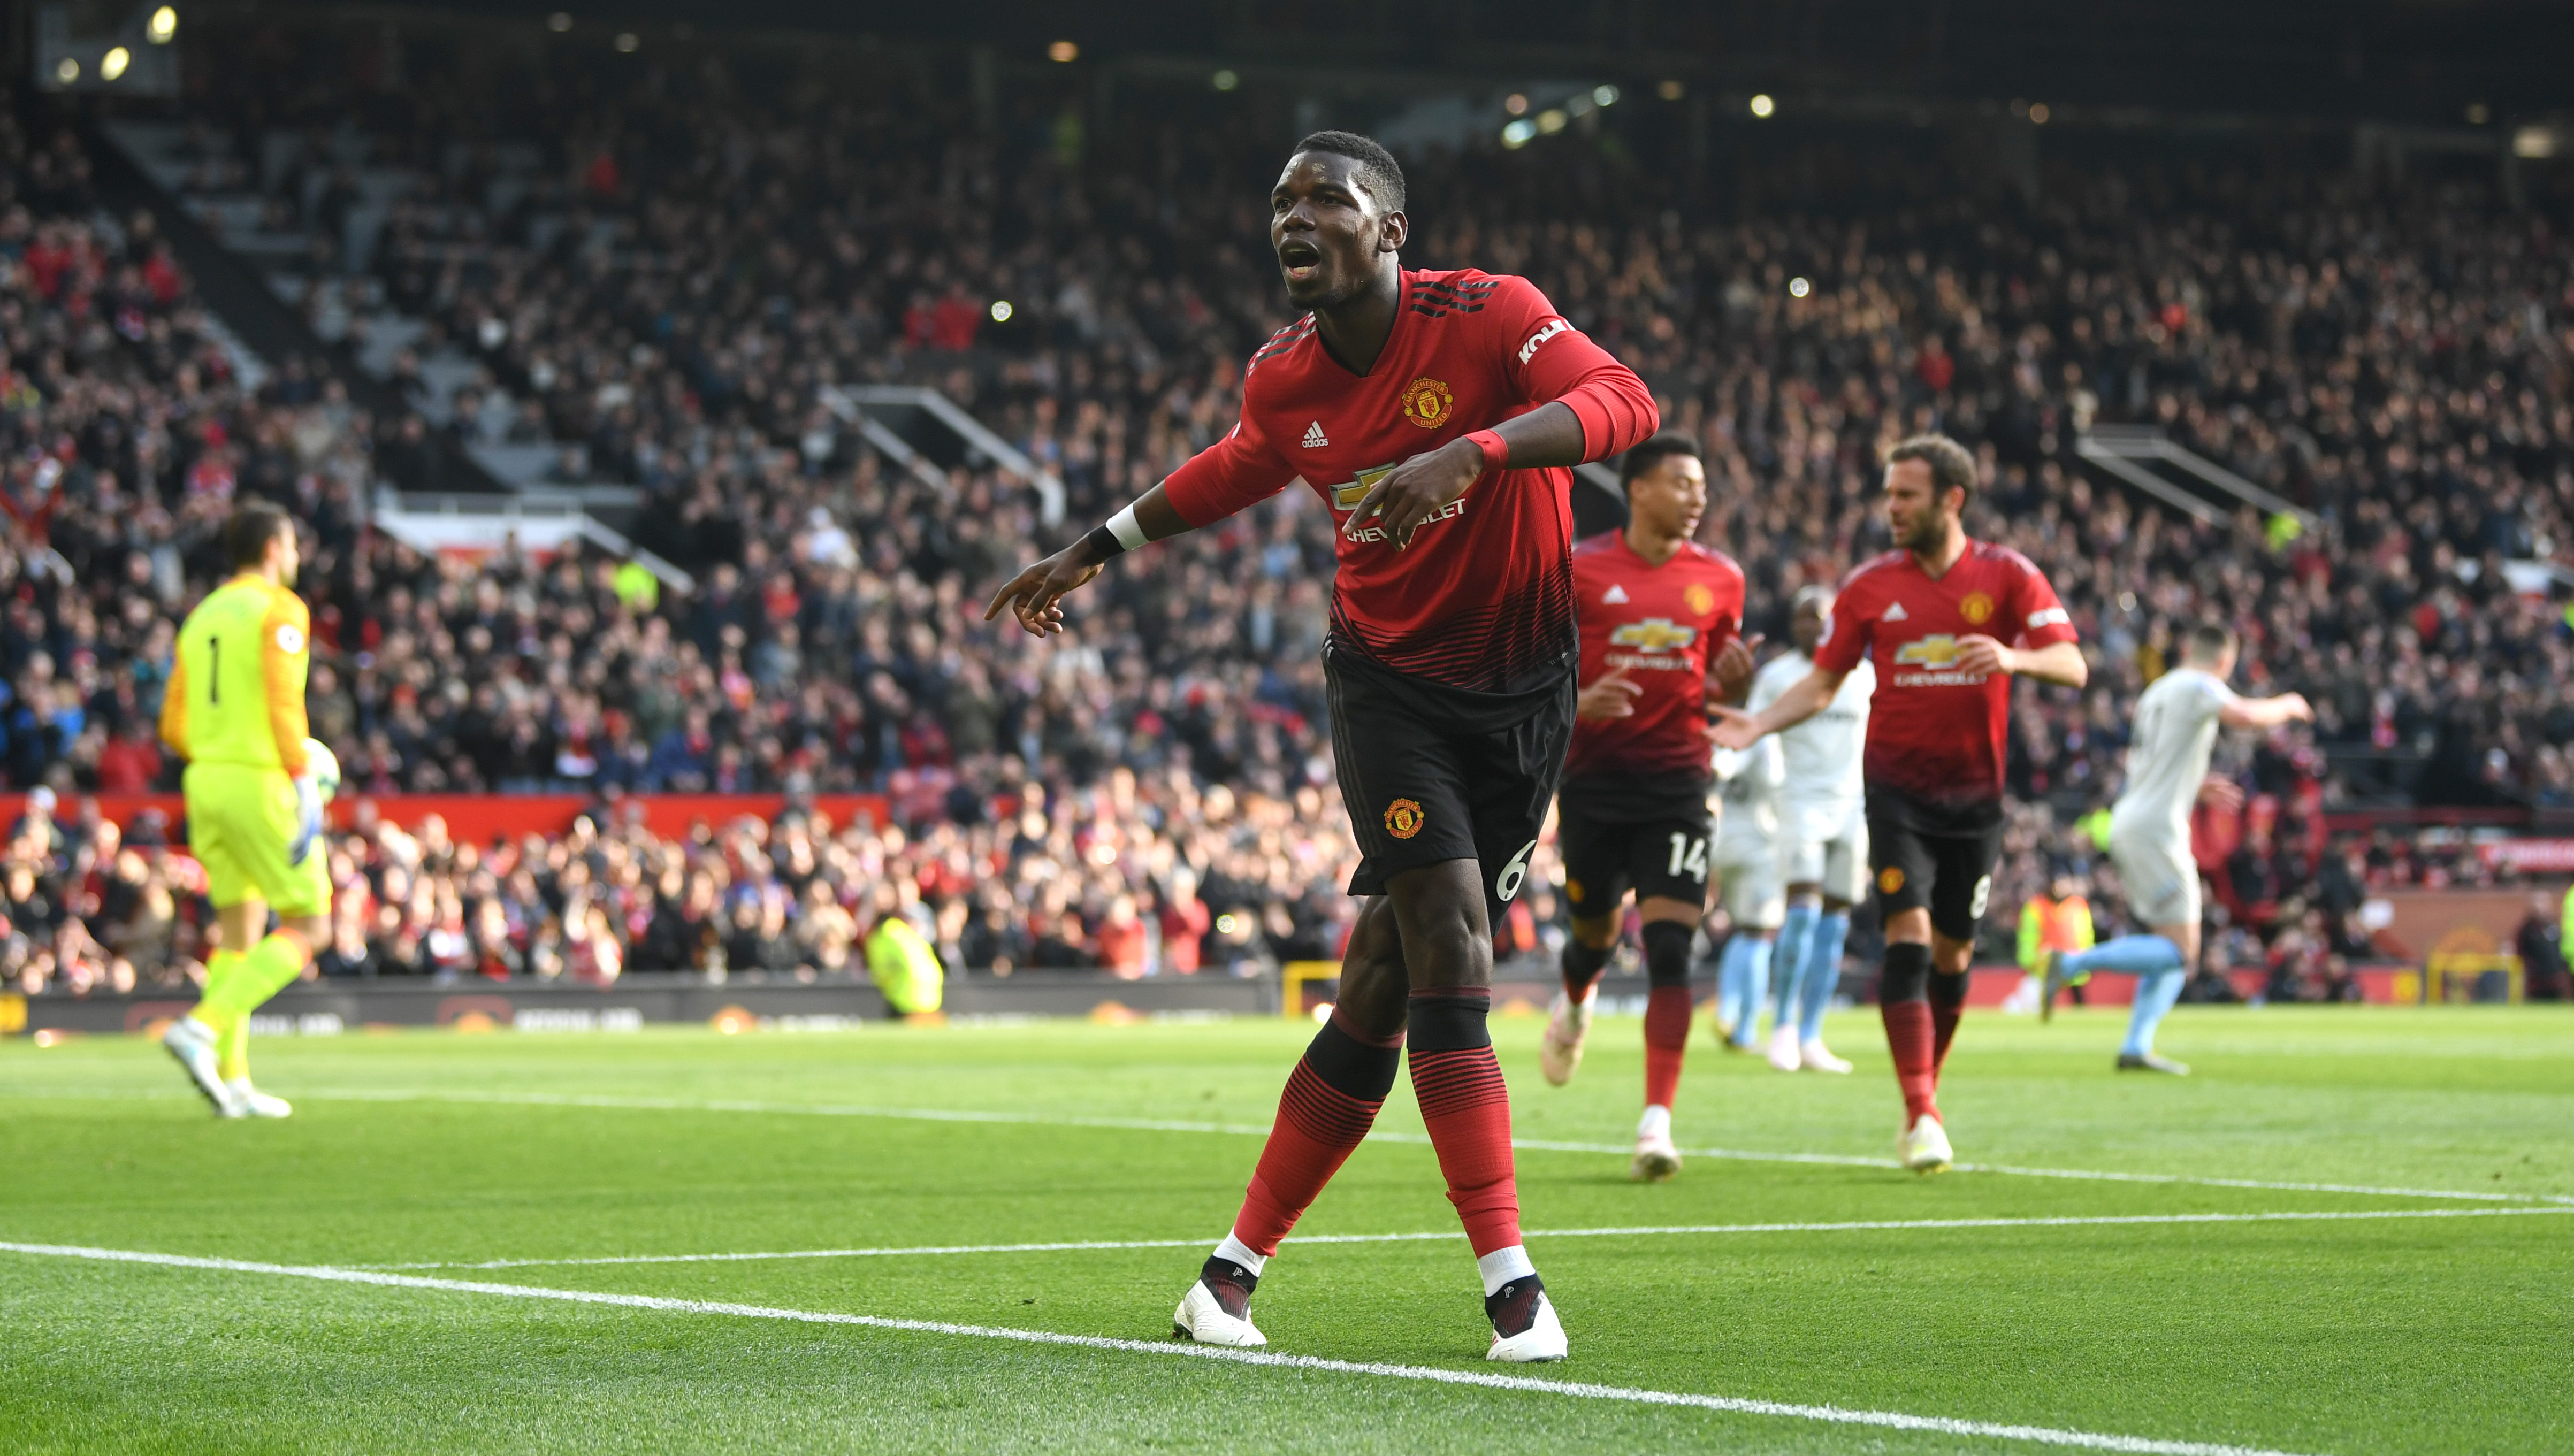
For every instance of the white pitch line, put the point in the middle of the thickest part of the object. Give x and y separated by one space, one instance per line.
1245 1129
1641 1231
1582 1390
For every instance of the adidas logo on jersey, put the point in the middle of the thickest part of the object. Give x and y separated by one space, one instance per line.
1895 613
1314 435
1617 596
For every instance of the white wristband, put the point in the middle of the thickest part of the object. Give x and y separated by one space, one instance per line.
1123 526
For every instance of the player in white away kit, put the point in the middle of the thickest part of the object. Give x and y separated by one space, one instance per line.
2176 723
1754 899
1823 838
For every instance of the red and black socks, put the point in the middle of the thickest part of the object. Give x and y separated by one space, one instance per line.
1902 996
1581 967
1468 1109
1330 1103
1666 1009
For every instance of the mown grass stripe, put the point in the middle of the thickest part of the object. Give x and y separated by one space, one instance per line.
1582 1390
1642 1232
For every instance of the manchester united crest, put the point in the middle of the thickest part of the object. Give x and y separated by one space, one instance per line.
1890 879
1428 403
1403 819
1701 597
1977 609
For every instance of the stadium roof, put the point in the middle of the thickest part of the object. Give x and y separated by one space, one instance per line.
2426 61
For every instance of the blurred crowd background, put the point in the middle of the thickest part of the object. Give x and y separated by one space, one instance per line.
654 264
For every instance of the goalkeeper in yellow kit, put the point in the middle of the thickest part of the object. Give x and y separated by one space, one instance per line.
235 711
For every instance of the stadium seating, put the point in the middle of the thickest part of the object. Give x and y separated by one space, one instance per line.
655 298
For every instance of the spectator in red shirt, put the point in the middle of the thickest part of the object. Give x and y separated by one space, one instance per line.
1124 943
954 323
1184 919
131 762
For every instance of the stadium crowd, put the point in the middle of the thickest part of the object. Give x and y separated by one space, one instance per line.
698 253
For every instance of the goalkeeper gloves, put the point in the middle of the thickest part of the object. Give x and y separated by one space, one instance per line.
308 820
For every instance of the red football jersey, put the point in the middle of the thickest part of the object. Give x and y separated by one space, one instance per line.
1663 625
1483 598
1932 731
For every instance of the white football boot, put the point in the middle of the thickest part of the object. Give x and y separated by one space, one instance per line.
250 1101
1567 1026
1217 1310
1783 1047
192 1044
1656 1159
1924 1146
1535 1334
1814 1057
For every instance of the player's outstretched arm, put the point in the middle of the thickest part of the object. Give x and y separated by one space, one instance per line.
1035 595
1810 694
2265 712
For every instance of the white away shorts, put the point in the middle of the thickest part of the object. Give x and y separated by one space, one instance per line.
2160 878
1750 889
1826 843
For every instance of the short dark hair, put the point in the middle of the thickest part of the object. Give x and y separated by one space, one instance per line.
247 534
1653 451
1378 172
2211 639
1950 465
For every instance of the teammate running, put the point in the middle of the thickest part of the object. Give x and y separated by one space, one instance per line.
234 709
1435 415
2176 723
1748 886
1823 838
1661 620
1930 614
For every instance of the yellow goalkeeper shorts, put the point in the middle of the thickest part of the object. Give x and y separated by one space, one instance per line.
241 825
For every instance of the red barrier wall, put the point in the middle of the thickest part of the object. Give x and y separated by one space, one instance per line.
478 817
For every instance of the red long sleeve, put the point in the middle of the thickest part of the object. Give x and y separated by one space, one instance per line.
1560 362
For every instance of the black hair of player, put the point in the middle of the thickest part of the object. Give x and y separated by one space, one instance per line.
1952 468
1378 172
250 529
2210 640
1645 453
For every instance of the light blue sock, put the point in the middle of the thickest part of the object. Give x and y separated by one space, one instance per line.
1756 989
1823 972
2136 955
1730 978
1787 963
2156 995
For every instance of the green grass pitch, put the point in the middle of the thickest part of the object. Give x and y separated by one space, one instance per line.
2446 1333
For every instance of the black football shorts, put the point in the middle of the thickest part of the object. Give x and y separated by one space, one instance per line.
1605 856
1432 773
1940 855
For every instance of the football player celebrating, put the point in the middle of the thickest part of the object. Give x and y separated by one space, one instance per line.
1438 415
1947 621
1661 616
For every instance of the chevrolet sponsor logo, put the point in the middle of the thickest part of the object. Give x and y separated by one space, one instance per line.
1347 496
1654 635
1928 651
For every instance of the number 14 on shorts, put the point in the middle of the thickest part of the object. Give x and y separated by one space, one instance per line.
1689 856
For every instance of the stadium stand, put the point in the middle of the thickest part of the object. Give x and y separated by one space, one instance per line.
645 276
